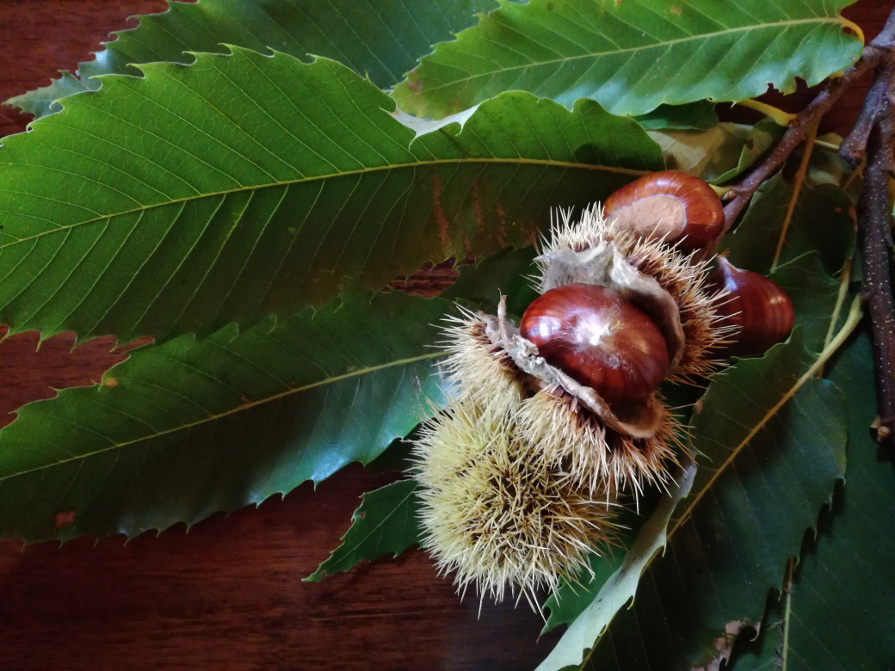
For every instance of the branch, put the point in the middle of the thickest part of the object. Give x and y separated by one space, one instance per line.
744 190
874 133
855 144
873 53
876 244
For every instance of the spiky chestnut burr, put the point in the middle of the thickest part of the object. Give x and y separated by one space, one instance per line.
670 286
619 444
496 513
515 418
478 370
596 456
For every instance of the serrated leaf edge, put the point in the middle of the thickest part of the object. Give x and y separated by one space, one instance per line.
701 36
34 407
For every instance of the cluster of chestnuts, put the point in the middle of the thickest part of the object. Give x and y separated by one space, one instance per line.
555 421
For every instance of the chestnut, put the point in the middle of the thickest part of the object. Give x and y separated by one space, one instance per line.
599 339
681 208
758 309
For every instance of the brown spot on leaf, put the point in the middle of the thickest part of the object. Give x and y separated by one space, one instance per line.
414 83
676 10
65 519
467 246
110 382
501 224
477 207
444 226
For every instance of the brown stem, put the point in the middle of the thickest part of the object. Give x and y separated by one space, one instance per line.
874 133
744 190
886 37
855 143
876 247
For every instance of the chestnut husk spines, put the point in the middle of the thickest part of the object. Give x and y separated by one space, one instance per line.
529 442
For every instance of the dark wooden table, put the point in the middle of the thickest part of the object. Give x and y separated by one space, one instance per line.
228 594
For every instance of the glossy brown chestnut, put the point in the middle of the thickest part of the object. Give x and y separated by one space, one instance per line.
670 204
598 339
758 307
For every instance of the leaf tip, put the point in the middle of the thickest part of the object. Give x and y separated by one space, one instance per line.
316 576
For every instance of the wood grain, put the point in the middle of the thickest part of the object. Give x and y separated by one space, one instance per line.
228 594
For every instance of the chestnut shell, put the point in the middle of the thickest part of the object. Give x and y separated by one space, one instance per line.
598 339
757 307
682 208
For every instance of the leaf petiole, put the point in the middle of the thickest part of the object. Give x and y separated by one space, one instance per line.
844 280
796 190
778 115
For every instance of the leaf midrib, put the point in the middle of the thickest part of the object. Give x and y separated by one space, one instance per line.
348 173
598 54
382 522
214 418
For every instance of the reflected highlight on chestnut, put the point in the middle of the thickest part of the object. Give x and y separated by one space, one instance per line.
598 339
